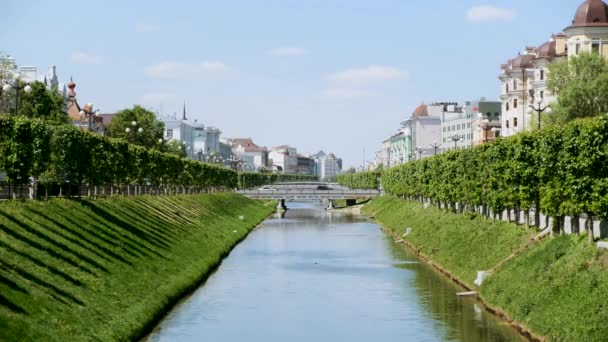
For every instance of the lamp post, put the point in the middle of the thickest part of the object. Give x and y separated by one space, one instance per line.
88 111
420 151
539 108
435 145
200 154
456 138
17 87
135 131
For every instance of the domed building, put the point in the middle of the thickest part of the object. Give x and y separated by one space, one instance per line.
523 78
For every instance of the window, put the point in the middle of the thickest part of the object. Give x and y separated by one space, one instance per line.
444 129
169 133
444 140
453 127
514 103
458 127
577 47
496 114
514 84
507 124
506 87
595 46
514 122
507 106
542 74
542 94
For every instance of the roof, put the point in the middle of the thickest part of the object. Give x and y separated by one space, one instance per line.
421 110
247 144
519 62
547 50
591 13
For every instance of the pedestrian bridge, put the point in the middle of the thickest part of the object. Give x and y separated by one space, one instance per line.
323 192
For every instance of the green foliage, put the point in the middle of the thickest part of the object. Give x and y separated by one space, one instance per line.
582 85
32 148
153 129
460 244
565 168
249 180
361 180
176 147
104 270
42 103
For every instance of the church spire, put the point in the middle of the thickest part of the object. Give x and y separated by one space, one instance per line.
184 114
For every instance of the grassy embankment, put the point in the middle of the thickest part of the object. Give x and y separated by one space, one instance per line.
107 269
555 288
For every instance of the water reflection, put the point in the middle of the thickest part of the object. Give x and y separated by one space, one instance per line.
326 276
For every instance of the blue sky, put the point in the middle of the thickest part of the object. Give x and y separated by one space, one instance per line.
337 75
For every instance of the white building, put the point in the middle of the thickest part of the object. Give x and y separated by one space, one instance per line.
329 167
200 141
523 78
424 129
284 158
253 156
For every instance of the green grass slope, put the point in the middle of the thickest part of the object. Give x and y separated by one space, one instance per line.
459 244
106 269
559 289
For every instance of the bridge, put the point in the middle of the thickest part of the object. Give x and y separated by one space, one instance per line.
308 191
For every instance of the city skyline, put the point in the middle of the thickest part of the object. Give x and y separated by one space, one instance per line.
308 75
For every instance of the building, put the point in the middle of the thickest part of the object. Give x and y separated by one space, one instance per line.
306 165
398 148
284 158
456 127
254 157
487 123
74 110
200 141
523 78
329 168
424 129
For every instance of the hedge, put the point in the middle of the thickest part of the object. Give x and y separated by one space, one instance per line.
562 169
54 154
361 180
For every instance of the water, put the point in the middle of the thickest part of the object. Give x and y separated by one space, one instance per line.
319 276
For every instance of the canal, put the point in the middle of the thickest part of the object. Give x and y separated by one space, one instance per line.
314 275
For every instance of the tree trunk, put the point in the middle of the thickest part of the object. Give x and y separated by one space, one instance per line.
527 218
589 227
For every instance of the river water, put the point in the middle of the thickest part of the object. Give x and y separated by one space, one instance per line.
314 275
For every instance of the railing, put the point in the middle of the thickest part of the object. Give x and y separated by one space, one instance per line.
72 190
293 193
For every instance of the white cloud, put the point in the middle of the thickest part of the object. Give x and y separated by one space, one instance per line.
85 58
175 70
372 73
287 52
347 93
490 13
145 28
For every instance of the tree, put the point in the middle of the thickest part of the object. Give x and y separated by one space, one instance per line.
152 129
581 84
176 148
42 103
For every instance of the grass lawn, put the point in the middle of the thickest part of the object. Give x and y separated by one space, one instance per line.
456 242
106 269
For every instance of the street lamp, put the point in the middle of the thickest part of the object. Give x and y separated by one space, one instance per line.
456 138
135 131
539 108
200 154
17 87
420 151
88 111
435 145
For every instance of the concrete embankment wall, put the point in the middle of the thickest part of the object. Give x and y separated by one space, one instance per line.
552 288
108 269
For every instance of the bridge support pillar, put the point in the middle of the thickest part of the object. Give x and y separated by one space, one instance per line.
281 205
351 202
330 204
